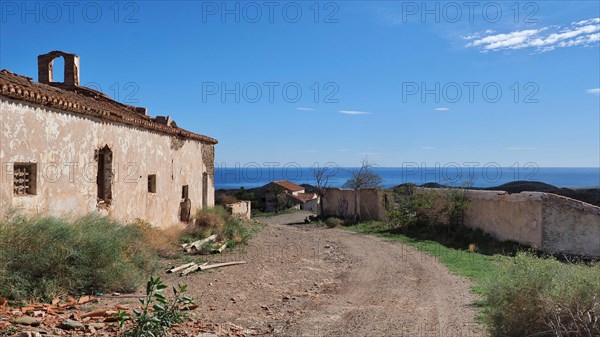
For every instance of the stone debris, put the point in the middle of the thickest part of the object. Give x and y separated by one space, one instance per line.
27 320
72 318
57 317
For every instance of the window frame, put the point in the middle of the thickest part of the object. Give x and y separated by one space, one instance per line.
30 186
152 183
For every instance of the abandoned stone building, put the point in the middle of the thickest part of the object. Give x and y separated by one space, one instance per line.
69 150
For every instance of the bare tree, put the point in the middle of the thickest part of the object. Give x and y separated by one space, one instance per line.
322 175
364 177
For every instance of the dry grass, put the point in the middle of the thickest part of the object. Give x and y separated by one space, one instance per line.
206 223
218 221
163 241
334 222
225 199
531 296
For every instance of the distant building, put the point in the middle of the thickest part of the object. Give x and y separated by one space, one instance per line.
305 201
69 150
284 194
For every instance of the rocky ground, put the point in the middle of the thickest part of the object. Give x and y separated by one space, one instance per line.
305 280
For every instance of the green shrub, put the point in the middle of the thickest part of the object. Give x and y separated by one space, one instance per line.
236 232
45 257
531 296
409 208
158 314
218 221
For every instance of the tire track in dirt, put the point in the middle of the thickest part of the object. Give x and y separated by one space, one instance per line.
389 289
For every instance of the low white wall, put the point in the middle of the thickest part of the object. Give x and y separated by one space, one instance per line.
570 226
342 203
240 209
543 220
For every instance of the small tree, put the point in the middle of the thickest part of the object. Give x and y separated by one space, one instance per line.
278 197
364 177
457 203
409 208
322 175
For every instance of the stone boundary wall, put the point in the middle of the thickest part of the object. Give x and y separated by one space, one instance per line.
241 209
342 203
550 222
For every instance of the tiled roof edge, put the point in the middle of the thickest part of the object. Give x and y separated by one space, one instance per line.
14 91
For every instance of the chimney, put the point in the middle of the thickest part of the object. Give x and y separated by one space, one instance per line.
71 71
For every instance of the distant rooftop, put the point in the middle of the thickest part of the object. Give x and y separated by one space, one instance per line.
288 185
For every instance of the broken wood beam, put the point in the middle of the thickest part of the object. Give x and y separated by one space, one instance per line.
196 245
219 265
220 249
176 269
190 269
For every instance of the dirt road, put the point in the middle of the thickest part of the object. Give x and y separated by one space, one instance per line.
312 281
303 280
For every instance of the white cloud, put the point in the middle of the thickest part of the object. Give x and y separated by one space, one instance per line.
581 33
441 109
305 109
354 113
427 148
523 148
594 91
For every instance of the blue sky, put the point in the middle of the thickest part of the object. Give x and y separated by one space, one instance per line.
377 79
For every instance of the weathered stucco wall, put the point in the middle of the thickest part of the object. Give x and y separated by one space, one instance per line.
516 217
570 226
64 146
311 206
240 209
341 203
549 222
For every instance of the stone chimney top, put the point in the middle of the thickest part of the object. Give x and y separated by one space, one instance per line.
71 71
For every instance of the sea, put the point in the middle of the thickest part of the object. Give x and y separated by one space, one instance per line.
251 176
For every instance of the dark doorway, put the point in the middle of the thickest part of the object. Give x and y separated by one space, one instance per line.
186 204
104 176
204 190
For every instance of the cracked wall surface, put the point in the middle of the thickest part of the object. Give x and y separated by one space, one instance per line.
550 222
64 145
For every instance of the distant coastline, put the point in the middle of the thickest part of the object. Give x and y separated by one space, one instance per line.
252 176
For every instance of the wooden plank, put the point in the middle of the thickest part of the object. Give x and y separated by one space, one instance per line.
219 265
190 269
220 249
198 244
183 266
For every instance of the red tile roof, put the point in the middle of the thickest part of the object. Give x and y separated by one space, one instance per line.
288 185
88 102
304 197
